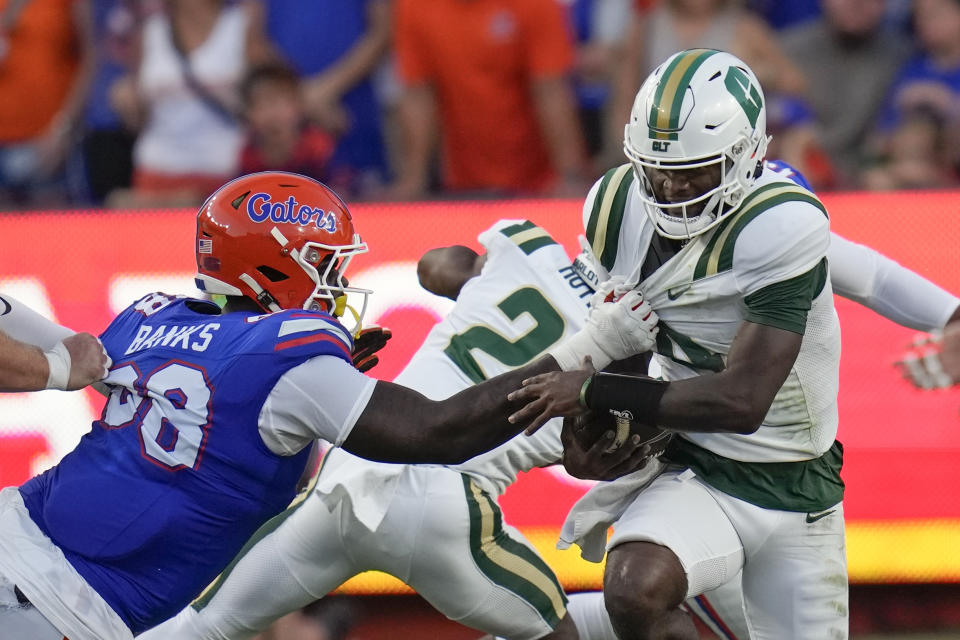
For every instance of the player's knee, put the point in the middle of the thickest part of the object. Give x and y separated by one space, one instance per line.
642 583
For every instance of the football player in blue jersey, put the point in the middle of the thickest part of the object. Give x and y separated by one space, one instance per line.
210 414
36 353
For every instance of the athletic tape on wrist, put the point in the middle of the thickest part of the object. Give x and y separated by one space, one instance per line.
638 395
570 353
58 358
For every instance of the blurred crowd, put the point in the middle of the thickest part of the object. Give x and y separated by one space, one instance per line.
154 103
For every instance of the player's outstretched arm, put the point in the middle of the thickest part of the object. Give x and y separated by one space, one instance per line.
401 425
870 278
23 367
734 400
72 363
36 353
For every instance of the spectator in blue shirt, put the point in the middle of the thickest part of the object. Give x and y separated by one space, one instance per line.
336 46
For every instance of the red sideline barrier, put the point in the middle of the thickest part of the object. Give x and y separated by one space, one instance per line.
902 464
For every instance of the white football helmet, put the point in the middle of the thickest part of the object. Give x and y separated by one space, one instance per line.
701 107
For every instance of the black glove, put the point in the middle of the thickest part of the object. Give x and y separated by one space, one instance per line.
366 345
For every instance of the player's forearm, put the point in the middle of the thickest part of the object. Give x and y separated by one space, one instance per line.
449 431
706 403
23 367
475 419
735 400
712 403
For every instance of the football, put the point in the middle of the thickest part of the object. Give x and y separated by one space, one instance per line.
590 426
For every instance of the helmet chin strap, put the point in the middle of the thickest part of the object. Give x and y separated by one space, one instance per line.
263 298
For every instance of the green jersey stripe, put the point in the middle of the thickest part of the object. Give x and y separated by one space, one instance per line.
725 260
718 254
594 220
533 244
669 342
717 233
603 227
514 229
507 562
528 236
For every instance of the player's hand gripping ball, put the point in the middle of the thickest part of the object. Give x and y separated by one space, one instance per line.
588 427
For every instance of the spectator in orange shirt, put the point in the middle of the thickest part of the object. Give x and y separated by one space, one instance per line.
46 64
495 73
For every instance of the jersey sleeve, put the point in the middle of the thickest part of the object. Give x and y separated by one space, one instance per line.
492 239
882 285
307 331
22 323
779 263
321 398
513 235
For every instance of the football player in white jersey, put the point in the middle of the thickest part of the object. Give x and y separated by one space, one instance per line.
857 273
733 259
36 353
437 528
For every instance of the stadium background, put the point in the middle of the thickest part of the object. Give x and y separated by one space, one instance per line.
902 445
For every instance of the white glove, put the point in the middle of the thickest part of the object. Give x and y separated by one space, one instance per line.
608 291
933 360
614 331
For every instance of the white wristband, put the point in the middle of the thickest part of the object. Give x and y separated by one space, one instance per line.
59 360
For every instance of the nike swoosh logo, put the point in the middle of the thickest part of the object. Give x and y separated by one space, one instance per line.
676 292
813 517
6 307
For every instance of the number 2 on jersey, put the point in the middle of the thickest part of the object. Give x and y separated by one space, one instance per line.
172 414
549 329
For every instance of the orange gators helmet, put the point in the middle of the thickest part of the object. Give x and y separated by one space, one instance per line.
282 239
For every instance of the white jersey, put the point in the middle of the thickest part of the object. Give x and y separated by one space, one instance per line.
718 280
526 299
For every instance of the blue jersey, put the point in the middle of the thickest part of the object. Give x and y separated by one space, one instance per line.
171 481
785 170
